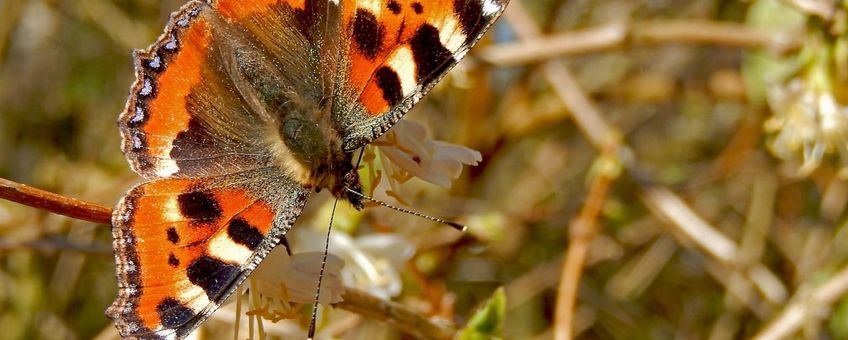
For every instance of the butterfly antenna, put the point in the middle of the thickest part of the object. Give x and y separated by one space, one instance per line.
457 226
311 334
313 321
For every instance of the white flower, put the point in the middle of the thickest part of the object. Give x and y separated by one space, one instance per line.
386 255
373 262
282 284
413 153
807 124
295 278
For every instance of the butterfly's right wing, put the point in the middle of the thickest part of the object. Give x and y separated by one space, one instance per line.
395 51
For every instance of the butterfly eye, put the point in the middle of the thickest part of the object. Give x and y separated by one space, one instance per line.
305 140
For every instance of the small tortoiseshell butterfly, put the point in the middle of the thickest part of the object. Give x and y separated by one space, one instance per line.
242 108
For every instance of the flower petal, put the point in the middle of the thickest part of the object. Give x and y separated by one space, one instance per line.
295 277
411 149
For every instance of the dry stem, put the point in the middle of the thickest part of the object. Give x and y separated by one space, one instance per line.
582 231
395 314
805 306
617 35
54 203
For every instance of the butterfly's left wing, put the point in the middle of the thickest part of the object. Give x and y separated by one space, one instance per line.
183 245
394 52
201 124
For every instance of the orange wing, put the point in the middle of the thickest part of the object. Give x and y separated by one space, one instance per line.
197 124
399 49
191 112
182 246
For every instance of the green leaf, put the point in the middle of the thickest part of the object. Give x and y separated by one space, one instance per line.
488 321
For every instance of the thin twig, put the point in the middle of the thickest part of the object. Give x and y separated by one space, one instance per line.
802 307
671 209
595 39
582 231
616 35
713 33
356 301
395 314
54 203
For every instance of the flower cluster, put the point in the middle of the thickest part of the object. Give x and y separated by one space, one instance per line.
809 125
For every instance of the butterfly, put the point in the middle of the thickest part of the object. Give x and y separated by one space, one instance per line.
239 111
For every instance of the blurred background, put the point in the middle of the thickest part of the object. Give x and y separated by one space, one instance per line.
650 169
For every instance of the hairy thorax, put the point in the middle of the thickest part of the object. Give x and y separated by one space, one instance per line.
312 150
300 133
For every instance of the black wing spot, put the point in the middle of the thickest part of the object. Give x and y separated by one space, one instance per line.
368 33
418 7
173 236
394 6
198 205
389 82
173 261
431 57
245 234
173 313
211 274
